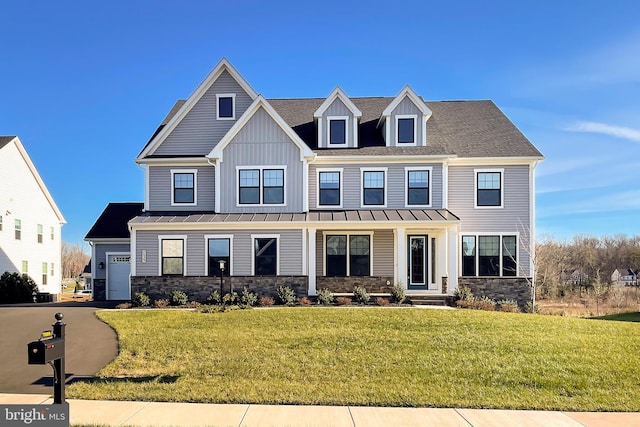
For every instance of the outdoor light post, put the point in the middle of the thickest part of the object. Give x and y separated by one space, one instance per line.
221 265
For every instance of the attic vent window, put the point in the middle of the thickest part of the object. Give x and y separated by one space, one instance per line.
226 106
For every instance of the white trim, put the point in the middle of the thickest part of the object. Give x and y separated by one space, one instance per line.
493 161
303 237
195 186
341 175
415 130
475 187
206 251
386 174
477 256
347 233
347 140
408 92
253 254
356 143
305 187
445 184
146 187
337 93
378 159
182 237
106 273
408 169
261 169
233 105
311 259
532 220
400 266
216 185
132 248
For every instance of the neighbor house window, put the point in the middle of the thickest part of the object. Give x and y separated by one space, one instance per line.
45 270
226 106
172 257
52 270
329 188
337 130
492 256
25 267
40 233
219 249
52 233
0 222
262 186
489 188
373 188
265 256
18 229
406 129
347 255
418 187
184 187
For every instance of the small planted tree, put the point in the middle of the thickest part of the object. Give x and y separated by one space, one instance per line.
16 288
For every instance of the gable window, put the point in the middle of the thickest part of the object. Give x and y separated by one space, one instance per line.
352 259
337 130
219 249
417 192
40 233
45 270
373 187
18 229
172 257
492 256
184 187
488 188
226 108
261 186
406 129
265 256
329 188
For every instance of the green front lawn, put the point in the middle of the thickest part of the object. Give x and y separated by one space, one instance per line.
371 356
622 317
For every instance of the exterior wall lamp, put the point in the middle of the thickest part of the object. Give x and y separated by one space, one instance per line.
101 265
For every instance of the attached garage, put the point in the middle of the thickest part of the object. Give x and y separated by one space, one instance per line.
118 274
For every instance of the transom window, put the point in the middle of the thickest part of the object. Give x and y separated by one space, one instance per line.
406 129
418 187
344 260
172 257
373 188
489 256
184 187
226 106
329 188
489 188
338 130
219 250
265 261
261 186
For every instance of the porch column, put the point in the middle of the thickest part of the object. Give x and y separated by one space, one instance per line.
452 237
401 257
311 260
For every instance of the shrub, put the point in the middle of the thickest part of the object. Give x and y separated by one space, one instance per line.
397 294
178 297
463 293
206 308
16 288
193 304
286 295
325 297
382 301
361 295
304 301
530 308
484 303
464 303
123 305
509 306
140 299
230 299
161 303
249 298
266 301
343 300
214 298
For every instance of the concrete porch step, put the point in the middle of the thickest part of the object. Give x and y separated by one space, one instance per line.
439 300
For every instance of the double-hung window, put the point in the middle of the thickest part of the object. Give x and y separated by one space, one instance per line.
337 130
489 188
374 187
347 255
172 256
489 255
40 231
329 188
45 270
219 249
261 186
406 129
265 255
184 187
0 222
226 106
417 191
18 229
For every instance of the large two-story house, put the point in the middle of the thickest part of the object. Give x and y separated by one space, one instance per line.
329 193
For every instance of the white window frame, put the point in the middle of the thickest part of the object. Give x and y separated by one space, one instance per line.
261 188
386 187
233 106
477 256
253 253
408 169
326 233
415 130
346 131
206 251
475 187
182 237
341 172
195 186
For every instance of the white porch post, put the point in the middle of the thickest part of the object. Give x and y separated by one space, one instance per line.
311 260
401 257
452 236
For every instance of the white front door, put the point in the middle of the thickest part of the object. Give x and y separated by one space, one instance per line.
118 271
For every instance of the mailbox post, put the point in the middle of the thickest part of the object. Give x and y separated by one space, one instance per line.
50 349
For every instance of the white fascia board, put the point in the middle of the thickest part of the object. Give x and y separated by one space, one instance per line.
260 102
174 161
337 93
492 161
407 91
203 87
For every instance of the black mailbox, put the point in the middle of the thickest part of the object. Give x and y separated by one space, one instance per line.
46 350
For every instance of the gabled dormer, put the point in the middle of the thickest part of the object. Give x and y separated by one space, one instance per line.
404 121
337 121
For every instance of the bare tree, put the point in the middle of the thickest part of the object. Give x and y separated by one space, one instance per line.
74 260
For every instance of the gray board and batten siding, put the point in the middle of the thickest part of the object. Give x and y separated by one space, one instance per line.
160 187
199 131
406 106
337 108
396 184
290 254
261 142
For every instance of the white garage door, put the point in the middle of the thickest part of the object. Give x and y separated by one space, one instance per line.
118 271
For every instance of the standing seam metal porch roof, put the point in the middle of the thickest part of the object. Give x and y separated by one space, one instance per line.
366 215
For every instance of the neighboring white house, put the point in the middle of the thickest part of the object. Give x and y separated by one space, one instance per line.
30 221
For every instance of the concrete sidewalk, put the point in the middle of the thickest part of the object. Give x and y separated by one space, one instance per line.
114 413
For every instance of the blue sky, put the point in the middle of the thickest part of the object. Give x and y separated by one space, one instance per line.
85 84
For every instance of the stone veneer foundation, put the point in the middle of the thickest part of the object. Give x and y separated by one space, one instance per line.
499 288
344 285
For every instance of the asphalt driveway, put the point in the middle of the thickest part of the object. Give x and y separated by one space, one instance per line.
90 344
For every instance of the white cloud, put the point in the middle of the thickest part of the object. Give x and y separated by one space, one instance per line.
605 129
